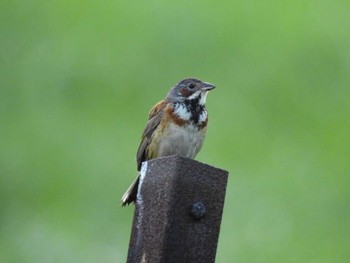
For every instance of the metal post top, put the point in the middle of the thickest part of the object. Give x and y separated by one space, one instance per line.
173 160
178 211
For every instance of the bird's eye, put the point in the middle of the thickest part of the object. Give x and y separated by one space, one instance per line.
191 86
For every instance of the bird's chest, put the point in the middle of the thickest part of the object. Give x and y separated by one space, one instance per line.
189 113
184 133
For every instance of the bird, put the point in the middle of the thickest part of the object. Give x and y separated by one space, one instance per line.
176 125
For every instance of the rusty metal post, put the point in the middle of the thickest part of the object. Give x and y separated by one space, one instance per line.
178 212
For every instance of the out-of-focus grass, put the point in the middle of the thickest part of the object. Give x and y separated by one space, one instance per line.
78 78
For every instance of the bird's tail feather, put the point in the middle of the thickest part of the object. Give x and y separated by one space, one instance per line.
130 195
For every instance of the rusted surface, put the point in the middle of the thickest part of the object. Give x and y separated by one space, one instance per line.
178 212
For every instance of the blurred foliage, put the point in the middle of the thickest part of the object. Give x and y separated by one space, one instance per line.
77 79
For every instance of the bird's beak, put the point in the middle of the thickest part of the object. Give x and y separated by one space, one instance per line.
208 86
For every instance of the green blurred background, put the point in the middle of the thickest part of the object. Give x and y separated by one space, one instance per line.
77 79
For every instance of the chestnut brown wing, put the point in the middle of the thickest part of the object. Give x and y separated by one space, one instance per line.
154 119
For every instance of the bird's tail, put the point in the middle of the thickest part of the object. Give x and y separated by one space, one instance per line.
130 194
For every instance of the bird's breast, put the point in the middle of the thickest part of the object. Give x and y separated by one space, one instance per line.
179 134
185 140
183 113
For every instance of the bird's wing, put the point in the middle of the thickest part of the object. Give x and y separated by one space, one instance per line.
154 119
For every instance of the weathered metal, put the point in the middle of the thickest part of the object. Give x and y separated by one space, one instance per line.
178 211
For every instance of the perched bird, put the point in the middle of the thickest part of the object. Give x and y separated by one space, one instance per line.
176 125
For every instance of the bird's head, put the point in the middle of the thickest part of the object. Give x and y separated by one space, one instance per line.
190 89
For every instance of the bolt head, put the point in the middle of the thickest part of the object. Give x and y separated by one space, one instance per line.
198 210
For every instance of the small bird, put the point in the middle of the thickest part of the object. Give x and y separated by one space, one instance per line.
176 125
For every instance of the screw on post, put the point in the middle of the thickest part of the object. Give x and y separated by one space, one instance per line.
198 210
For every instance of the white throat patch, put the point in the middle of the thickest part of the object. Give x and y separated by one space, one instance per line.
198 93
181 111
194 95
203 98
